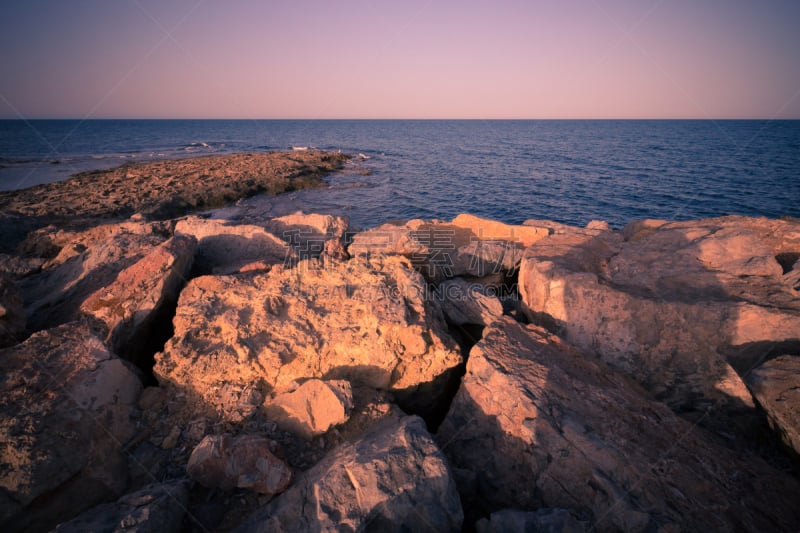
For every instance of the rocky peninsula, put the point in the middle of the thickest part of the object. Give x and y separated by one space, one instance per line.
166 369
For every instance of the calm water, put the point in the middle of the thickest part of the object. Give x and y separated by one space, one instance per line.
570 171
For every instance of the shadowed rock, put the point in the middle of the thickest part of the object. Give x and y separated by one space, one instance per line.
535 424
312 235
65 405
155 508
776 387
393 479
674 305
468 303
12 314
245 462
225 248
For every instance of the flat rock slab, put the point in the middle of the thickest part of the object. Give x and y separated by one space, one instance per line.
776 387
65 406
678 306
240 339
393 479
535 425
160 189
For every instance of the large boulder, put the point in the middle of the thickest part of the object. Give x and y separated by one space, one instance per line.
226 248
245 462
536 424
312 235
392 479
156 508
312 409
65 405
238 340
674 305
12 313
467 246
141 297
84 262
776 387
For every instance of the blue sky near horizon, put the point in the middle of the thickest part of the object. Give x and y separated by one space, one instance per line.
415 59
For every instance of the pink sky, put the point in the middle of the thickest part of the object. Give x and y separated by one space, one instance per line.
411 59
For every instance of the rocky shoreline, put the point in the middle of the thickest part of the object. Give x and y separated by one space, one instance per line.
159 190
177 372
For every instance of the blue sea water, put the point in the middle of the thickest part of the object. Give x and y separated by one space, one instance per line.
569 171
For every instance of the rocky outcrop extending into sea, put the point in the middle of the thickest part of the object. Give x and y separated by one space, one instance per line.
167 369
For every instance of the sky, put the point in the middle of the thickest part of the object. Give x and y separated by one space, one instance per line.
400 59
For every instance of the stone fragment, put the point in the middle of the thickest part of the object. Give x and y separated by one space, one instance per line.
245 462
313 408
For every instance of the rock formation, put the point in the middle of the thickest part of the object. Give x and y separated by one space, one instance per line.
239 339
159 189
535 424
678 306
290 356
83 263
226 248
467 246
393 479
141 295
65 405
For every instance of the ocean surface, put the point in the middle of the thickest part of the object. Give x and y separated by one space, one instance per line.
569 171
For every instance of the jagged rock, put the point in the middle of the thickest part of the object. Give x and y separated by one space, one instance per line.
312 235
673 305
393 479
87 261
536 424
226 248
65 403
312 409
467 246
142 295
468 303
238 340
245 462
776 387
12 314
155 508
541 521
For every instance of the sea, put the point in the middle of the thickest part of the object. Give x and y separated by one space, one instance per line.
571 171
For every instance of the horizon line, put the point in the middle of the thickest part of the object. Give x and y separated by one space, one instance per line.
408 118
